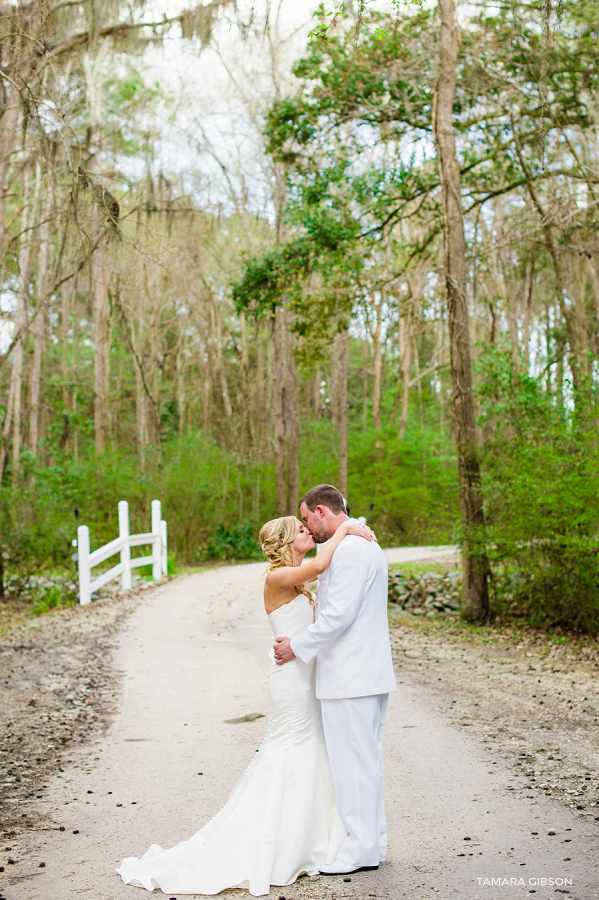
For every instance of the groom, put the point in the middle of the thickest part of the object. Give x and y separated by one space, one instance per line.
354 674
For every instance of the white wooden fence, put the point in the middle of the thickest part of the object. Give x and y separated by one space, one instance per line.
157 538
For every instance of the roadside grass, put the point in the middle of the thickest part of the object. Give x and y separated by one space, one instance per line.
516 635
41 600
423 568
52 598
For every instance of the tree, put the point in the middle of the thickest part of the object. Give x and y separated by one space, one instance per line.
475 600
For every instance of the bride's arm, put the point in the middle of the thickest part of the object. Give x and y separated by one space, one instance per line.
289 576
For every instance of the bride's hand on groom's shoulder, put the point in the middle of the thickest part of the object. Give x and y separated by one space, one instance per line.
362 531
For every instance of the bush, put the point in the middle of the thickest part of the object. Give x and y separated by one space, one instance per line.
199 485
234 543
36 533
206 491
541 485
406 489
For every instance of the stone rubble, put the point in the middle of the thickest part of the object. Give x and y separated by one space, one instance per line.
430 594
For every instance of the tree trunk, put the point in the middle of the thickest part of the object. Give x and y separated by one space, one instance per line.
93 69
68 360
21 42
511 312
316 397
285 413
260 393
342 360
418 378
377 368
278 367
575 328
405 360
224 385
16 375
291 425
528 289
152 384
206 402
560 351
40 327
9 134
141 410
180 376
475 600
365 349
8 416
74 406
101 316
594 277
509 298
209 391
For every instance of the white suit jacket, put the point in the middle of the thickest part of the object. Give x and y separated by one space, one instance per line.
350 636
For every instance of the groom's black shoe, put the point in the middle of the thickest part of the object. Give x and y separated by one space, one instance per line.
339 868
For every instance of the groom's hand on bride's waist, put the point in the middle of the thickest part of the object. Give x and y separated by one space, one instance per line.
283 651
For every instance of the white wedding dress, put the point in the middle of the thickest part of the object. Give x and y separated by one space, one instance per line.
281 819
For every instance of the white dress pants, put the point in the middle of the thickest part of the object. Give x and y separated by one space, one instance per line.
353 728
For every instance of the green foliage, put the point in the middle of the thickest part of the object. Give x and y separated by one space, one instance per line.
206 493
35 531
541 482
367 76
325 250
372 87
197 483
203 487
266 279
237 542
406 489
48 597
362 227
346 185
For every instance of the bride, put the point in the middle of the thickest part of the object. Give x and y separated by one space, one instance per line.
280 820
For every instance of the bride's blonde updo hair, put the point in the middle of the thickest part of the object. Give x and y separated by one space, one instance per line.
276 538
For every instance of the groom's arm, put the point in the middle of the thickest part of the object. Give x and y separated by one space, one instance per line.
344 592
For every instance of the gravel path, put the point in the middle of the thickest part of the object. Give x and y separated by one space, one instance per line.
156 760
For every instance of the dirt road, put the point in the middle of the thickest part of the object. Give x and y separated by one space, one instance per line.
191 657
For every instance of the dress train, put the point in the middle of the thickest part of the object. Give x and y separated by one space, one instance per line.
281 819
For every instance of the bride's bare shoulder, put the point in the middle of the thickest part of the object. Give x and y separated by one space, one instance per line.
276 596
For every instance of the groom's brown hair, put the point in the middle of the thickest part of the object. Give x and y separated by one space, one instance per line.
324 495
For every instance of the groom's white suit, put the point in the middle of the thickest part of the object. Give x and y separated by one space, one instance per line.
354 675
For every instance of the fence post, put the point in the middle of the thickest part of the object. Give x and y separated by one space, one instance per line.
83 564
156 540
164 540
126 551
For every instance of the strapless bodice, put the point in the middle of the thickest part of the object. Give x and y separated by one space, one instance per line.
291 618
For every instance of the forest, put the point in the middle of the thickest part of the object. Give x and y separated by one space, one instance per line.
247 248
